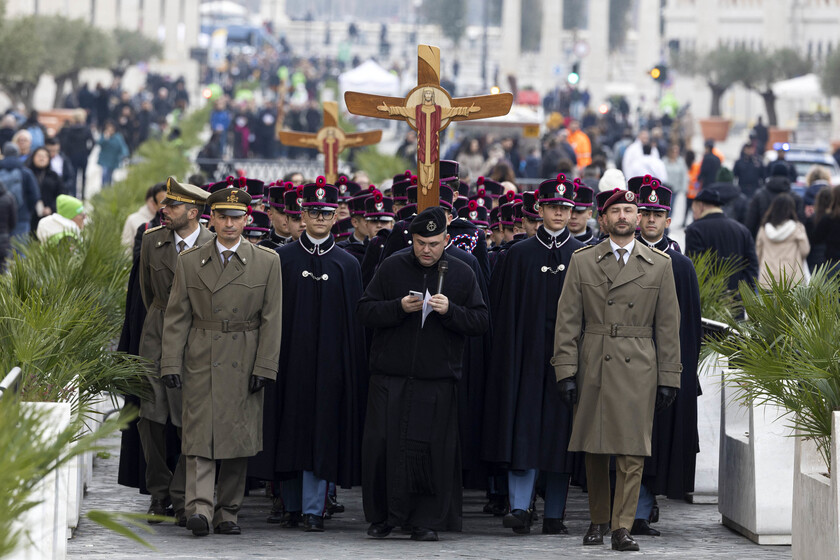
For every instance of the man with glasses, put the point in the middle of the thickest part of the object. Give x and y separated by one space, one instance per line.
312 415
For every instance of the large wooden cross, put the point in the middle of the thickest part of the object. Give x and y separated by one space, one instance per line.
330 140
428 109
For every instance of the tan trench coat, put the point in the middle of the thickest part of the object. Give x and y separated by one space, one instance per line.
158 257
222 325
618 333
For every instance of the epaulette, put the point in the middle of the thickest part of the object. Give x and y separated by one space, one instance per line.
266 249
148 231
663 253
585 247
190 250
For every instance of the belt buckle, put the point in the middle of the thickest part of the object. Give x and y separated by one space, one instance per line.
614 330
225 325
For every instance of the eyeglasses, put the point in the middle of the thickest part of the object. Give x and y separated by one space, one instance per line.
326 214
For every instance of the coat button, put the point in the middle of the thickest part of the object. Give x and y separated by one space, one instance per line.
215 364
609 302
630 304
607 358
235 336
216 309
235 364
235 310
217 337
627 359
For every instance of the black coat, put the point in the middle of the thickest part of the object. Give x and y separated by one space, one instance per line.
399 238
373 254
8 221
526 425
312 415
354 247
728 239
764 197
400 346
750 172
674 440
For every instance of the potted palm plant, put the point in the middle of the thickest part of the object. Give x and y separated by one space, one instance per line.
785 356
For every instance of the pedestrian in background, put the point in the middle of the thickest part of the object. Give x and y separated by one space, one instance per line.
782 244
112 151
49 183
8 221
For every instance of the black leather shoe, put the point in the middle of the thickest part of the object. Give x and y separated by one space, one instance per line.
497 506
623 542
277 511
554 526
227 528
313 523
291 519
157 507
197 523
180 518
379 530
642 527
333 506
654 511
425 535
519 520
595 534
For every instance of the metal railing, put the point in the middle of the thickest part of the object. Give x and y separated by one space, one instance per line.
267 170
10 386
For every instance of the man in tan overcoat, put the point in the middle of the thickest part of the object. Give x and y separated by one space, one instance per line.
616 346
222 342
158 256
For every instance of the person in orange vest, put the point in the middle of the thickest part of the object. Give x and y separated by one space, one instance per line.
580 143
693 184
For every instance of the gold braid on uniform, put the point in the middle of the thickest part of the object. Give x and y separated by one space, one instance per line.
150 230
585 247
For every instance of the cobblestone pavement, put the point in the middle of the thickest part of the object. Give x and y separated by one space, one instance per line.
689 532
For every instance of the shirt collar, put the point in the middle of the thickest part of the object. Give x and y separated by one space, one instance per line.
189 240
552 239
319 246
220 247
629 247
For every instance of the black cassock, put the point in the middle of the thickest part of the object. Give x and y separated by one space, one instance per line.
312 416
526 425
410 449
674 440
471 384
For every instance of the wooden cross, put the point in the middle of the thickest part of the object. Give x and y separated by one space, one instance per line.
330 140
428 109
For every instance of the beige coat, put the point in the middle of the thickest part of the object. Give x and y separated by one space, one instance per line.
222 326
782 248
158 257
630 346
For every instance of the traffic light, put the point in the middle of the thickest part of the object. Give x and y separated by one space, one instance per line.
659 73
574 76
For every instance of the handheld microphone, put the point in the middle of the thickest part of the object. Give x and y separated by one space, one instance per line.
443 266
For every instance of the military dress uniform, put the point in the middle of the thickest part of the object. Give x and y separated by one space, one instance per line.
158 257
222 331
621 357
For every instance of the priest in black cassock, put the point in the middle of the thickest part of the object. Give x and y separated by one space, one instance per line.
411 471
674 440
312 413
526 424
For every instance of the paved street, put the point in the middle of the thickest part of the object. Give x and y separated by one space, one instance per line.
689 532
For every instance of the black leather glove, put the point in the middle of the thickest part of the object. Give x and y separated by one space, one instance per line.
256 383
172 381
665 397
568 390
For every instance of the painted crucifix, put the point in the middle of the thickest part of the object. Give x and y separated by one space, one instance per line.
428 109
330 140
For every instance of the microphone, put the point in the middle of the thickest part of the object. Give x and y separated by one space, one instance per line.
443 266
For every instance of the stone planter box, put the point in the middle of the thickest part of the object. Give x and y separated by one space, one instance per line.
816 500
755 490
708 430
780 135
46 523
715 128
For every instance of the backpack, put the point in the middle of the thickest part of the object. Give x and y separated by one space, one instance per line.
12 179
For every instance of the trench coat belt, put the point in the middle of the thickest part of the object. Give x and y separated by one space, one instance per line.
225 326
159 304
615 330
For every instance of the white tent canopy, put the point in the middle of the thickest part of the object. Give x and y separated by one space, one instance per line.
802 87
369 77
222 8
